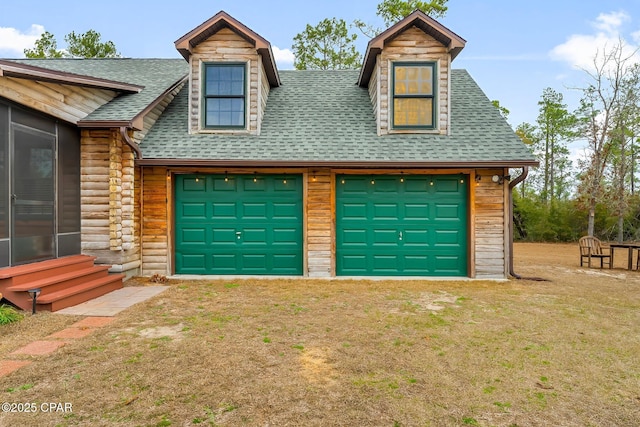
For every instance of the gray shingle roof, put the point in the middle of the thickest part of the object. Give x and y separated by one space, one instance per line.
156 75
323 116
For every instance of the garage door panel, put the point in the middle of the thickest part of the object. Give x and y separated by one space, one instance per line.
385 264
222 184
384 185
286 184
354 211
286 263
447 265
224 235
385 211
194 210
285 210
448 238
388 237
254 210
448 185
400 225
258 184
447 212
243 224
224 262
194 236
224 210
285 236
254 262
415 263
417 211
415 237
195 262
354 237
416 185
194 184
353 264
254 235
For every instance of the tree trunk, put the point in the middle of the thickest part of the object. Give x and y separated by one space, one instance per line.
620 228
592 218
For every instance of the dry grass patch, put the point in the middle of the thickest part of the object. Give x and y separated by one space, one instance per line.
390 353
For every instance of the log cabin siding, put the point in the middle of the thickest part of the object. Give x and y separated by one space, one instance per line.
66 102
413 45
109 230
227 46
490 238
319 222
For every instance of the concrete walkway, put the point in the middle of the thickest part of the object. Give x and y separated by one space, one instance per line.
114 302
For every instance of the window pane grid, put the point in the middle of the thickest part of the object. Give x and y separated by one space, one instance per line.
413 95
224 92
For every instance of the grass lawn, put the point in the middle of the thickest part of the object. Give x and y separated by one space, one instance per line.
564 352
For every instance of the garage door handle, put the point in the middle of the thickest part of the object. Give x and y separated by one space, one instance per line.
238 234
400 236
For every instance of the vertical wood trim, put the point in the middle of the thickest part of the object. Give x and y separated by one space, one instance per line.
333 225
139 196
169 203
154 220
449 96
259 95
378 104
507 223
490 227
305 215
318 223
471 224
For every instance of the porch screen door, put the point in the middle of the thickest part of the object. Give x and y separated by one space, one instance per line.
32 195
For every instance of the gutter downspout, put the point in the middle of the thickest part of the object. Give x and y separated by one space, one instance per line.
512 184
130 143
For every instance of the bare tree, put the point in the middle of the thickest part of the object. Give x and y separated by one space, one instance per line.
600 101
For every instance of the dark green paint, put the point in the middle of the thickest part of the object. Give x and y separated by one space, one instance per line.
239 224
401 226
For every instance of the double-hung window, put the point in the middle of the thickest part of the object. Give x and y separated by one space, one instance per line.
414 100
224 95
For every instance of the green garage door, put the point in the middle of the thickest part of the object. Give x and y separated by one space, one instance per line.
401 226
240 224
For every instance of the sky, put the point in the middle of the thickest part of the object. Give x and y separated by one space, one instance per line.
515 49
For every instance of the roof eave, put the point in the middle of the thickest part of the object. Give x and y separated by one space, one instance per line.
30 72
336 163
137 123
448 38
186 43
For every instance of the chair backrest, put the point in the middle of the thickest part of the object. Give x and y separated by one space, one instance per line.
587 242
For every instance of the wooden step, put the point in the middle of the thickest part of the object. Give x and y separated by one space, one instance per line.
23 274
60 281
79 293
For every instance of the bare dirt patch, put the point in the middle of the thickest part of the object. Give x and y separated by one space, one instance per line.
343 352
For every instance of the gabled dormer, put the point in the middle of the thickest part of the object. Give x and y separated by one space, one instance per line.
406 69
232 69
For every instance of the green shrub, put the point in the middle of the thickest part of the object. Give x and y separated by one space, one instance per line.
9 314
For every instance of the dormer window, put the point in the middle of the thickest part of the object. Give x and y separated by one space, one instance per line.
224 95
414 100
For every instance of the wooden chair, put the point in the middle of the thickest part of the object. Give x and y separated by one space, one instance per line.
591 247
